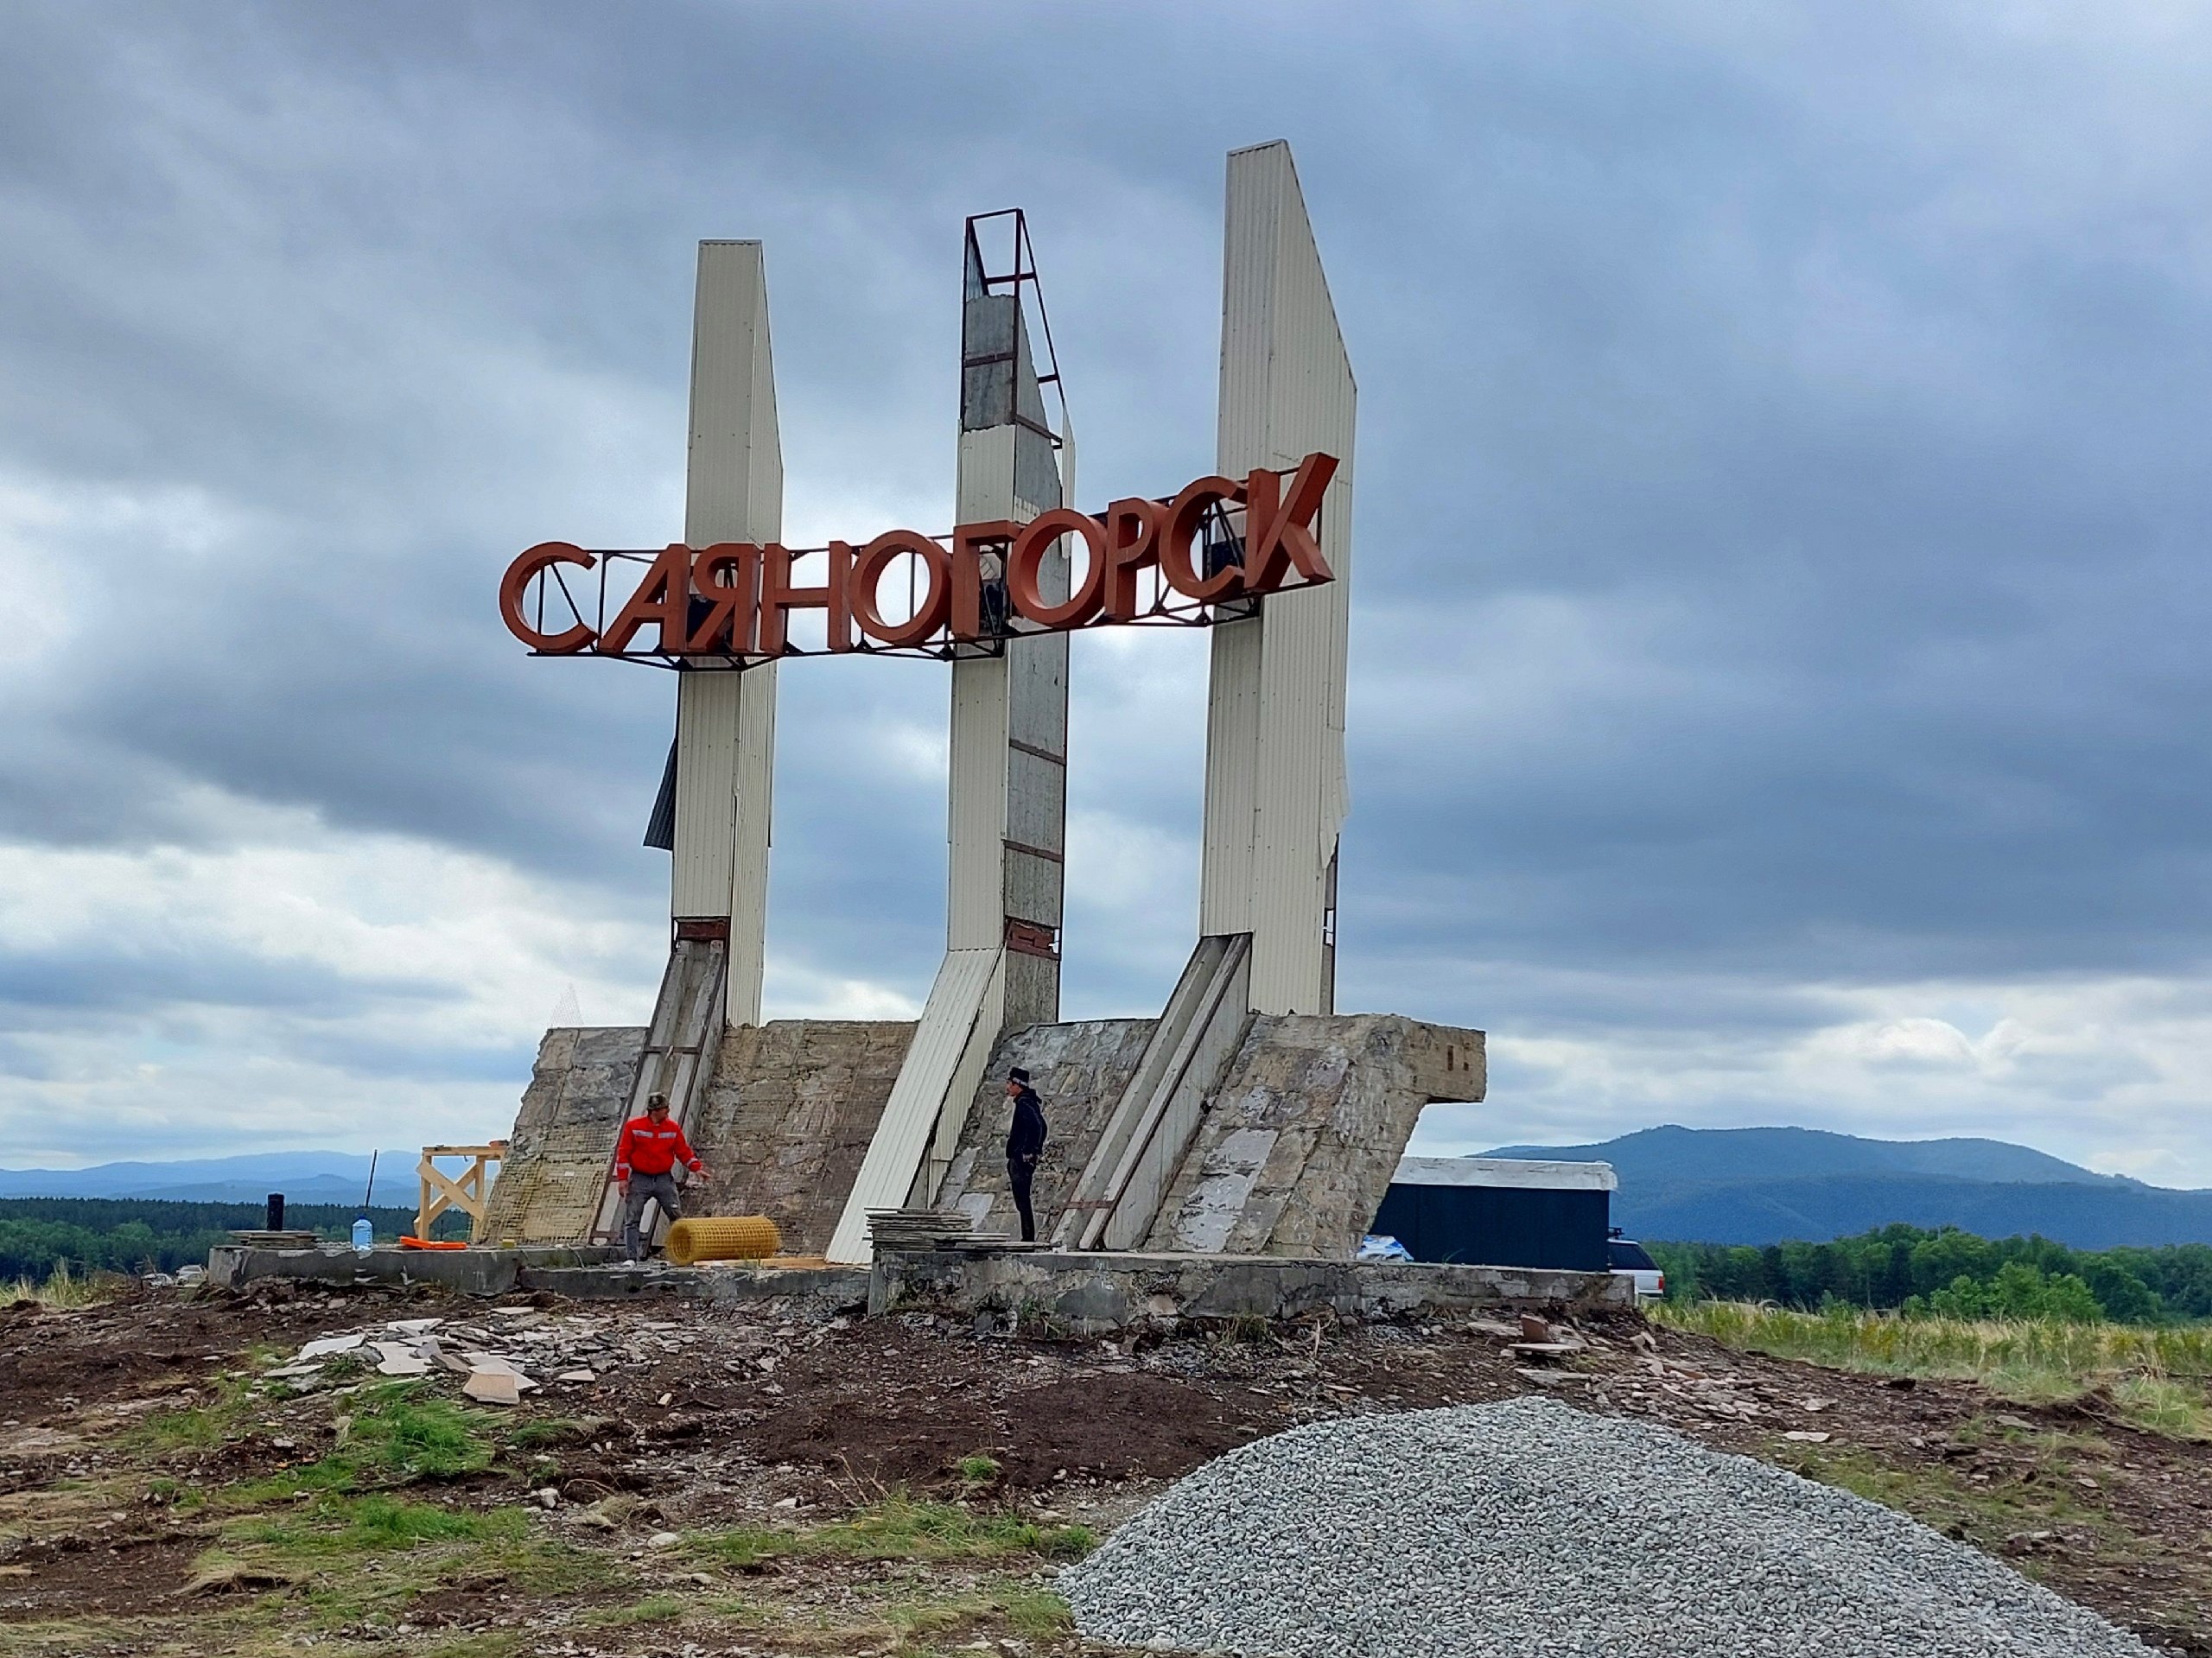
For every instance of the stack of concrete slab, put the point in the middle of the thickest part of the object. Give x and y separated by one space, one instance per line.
918 1229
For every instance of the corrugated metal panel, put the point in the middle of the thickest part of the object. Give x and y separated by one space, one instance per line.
1286 390
976 807
726 723
1232 759
707 708
756 787
963 1000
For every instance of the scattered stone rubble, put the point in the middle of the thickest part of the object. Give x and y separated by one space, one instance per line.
1528 1526
512 1350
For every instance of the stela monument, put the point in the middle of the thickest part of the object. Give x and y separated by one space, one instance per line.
1249 1116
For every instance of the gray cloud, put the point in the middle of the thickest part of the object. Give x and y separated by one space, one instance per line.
1781 520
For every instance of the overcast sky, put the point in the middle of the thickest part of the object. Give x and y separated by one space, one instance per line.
1779 674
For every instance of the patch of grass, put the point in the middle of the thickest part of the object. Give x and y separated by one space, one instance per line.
1243 1329
2161 1405
1029 1610
545 1431
361 1560
979 1469
375 1523
396 1436
200 1427
71 1637
539 1565
64 1288
1937 1496
900 1528
498 1643
1037 1613
740 1609
2160 1372
653 1609
402 1434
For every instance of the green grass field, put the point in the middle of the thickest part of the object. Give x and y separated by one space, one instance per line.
2156 1376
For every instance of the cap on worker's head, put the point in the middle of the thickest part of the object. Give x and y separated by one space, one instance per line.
656 1102
1017 1075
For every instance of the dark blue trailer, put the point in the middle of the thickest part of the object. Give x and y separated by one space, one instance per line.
1497 1211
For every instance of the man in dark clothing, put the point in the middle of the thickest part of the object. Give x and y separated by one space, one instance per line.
1025 1143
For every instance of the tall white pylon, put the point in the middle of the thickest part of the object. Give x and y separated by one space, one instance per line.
1275 793
1006 816
726 722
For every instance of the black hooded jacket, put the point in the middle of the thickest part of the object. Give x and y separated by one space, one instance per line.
1026 1139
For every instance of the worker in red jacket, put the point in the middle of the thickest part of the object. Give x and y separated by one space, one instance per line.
645 1168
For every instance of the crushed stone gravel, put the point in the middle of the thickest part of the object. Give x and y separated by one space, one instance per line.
1529 1527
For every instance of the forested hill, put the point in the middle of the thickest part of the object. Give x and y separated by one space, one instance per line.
1770 1186
134 1235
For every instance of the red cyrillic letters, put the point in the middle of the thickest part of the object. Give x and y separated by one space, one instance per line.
736 599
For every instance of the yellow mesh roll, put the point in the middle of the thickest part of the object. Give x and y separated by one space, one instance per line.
723 1237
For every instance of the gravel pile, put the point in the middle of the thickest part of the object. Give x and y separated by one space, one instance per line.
1530 1527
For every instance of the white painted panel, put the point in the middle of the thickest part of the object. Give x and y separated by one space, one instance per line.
984 486
969 983
967 1079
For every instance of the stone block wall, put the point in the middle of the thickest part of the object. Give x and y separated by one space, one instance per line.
789 1116
1292 1158
1298 1148
783 1126
548 1185
1079 1070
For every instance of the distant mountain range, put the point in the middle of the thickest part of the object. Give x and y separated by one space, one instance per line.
302 1176
1712 1185
1770 1186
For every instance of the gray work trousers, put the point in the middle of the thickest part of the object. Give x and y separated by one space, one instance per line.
661 1189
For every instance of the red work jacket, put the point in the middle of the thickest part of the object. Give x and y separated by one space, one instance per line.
650 1150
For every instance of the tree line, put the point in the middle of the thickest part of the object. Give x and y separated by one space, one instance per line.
137 1234
1950 1274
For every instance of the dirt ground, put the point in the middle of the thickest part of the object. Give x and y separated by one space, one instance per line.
793 1478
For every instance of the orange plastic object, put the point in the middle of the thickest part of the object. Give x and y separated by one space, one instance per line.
406 1242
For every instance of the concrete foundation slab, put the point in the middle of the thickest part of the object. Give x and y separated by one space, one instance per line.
1065 1291
722 1285
1092 1293
595 1273
472 1272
